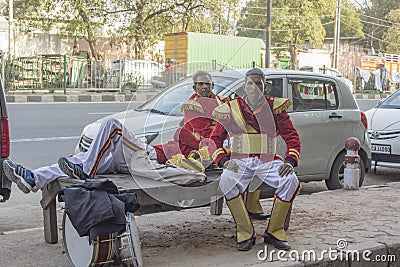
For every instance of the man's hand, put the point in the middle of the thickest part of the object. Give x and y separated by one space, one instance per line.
231 165
285 169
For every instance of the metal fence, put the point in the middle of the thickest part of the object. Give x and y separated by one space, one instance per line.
63 73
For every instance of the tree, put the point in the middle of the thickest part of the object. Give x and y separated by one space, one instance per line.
350 25
138 23
78 18
86 19
374 21
190 17
252 23
223 15
145 21
39 14
293 23
392 35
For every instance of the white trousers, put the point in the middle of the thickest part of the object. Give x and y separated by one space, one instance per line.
233 183
106 154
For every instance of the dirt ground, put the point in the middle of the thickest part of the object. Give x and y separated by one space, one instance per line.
366 218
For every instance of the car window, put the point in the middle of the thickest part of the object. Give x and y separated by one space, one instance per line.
391 102
313 95
170 100
274 87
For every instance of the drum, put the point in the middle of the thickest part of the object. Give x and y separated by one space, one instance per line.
129 247
118 250
83 254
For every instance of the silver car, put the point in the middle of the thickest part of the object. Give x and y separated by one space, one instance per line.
323 111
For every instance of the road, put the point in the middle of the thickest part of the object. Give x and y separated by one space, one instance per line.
41 133
52 130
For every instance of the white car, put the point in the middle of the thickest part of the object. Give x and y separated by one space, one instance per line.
136 71
324 113
384 131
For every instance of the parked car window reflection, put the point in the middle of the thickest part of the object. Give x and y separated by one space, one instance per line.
313 95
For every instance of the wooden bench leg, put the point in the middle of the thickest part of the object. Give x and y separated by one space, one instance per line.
50 223
216 205
48 204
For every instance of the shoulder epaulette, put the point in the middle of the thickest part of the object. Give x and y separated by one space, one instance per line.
223 99
222 111
192 105
280 104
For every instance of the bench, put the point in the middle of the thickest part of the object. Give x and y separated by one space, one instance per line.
148 192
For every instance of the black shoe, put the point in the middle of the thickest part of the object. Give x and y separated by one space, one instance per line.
71 169
259 217
269 239
246 245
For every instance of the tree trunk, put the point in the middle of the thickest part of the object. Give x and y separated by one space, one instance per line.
92 46
293 50
294 64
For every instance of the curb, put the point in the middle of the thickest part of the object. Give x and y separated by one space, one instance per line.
371 96
21 98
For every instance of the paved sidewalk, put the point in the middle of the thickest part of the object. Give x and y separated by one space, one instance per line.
359 221
104 96
79 96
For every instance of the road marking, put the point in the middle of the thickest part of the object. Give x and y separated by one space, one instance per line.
103 113
43 139
23 230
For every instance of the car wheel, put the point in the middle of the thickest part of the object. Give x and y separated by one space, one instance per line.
336 177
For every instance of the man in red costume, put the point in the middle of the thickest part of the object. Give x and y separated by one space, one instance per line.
198 126
254 123
197 122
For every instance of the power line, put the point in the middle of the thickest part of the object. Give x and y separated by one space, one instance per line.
260 29
289 8
263 15
368 22
388 21
276 8
371 36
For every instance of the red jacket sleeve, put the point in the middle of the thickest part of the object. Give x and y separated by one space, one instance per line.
215 144
289 134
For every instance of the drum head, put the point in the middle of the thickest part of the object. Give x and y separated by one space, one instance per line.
133 241
78 249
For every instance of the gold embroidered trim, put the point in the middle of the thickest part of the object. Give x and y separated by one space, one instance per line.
240 121
222 112
217 153
192 105
280 104
294 153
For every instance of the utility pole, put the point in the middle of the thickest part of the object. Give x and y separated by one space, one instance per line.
11 28
336 44
268 34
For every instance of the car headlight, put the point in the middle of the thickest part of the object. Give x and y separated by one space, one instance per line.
147 137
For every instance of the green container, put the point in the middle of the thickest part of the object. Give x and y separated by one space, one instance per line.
231 51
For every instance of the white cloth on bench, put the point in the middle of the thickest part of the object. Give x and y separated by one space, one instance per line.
142 166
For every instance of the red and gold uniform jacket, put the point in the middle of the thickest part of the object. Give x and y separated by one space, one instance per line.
254 133
198 125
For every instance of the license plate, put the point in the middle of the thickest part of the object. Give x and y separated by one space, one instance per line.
381 149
